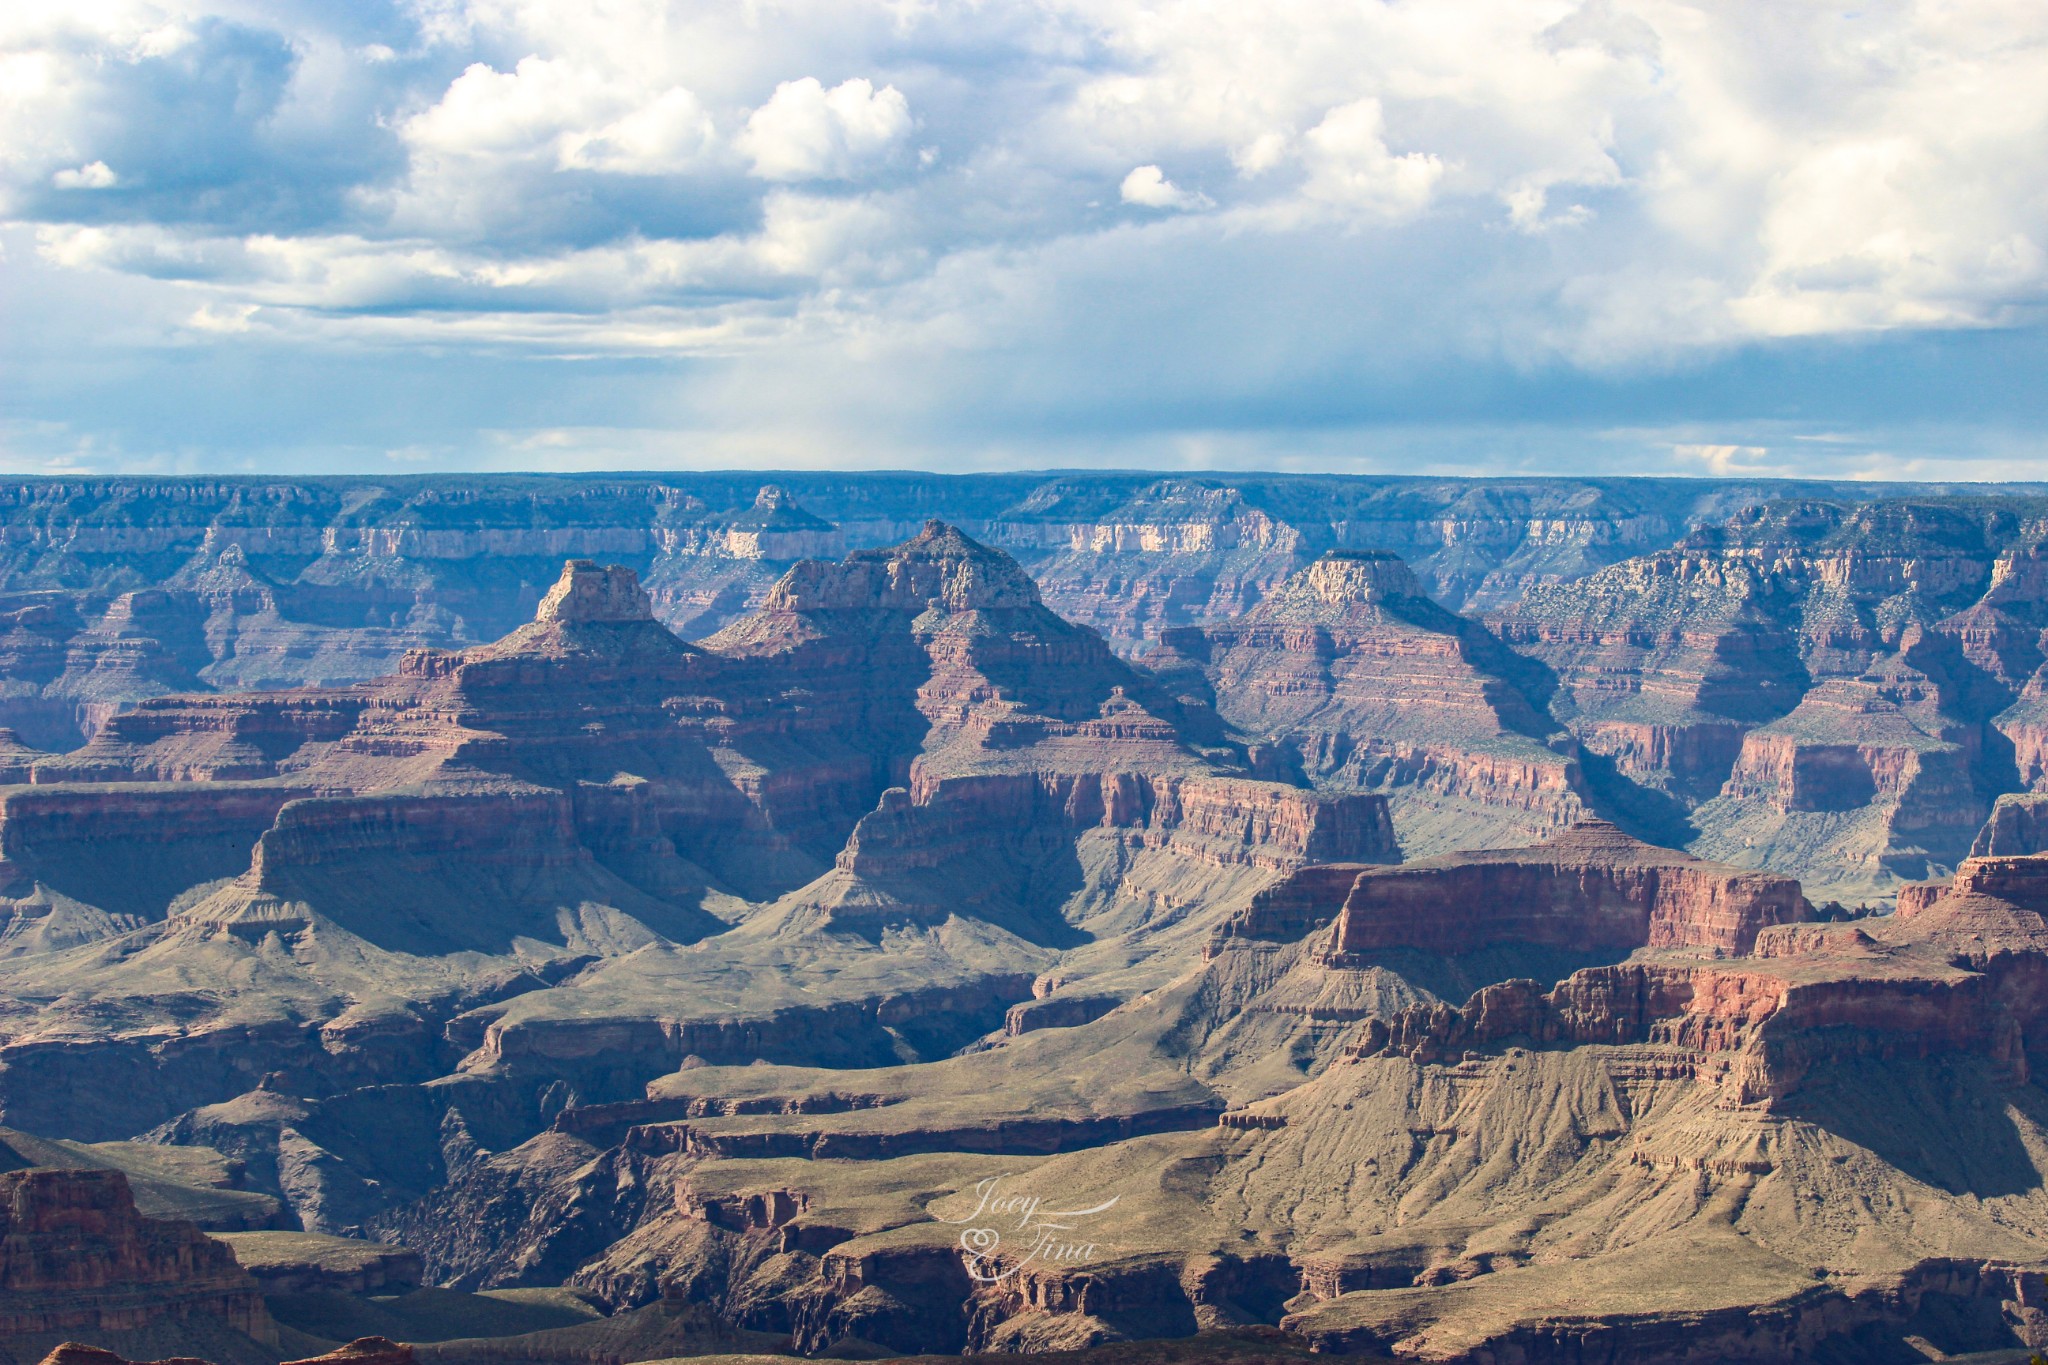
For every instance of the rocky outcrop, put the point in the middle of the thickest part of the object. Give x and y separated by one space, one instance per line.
1348 674
71 1353
2018 825
1592 887
309 1263
1958 970
76 1259
1226 821
363 1351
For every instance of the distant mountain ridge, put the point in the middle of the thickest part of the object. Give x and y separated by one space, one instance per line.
117 588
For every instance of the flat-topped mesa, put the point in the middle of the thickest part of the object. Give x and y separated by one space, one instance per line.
939 567
587 591
593 612
1341 579
1592 887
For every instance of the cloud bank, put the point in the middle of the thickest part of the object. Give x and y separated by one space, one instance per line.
915 231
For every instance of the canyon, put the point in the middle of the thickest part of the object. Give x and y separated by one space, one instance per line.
633 918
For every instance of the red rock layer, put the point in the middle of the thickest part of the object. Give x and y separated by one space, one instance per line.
72 1353
1961 968
45 826
75 1256
1225 821
1591 887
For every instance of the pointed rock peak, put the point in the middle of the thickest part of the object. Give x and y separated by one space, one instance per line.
587 591
776 510
958 573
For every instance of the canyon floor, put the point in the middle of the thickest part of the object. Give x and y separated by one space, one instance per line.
1156 920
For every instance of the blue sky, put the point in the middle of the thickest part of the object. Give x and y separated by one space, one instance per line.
1464 236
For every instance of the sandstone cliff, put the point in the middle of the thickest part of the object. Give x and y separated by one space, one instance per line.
77 1261
1592 888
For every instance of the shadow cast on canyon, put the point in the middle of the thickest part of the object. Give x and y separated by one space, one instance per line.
1946 1121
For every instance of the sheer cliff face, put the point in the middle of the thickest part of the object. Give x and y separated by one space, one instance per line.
1350 676
1592 887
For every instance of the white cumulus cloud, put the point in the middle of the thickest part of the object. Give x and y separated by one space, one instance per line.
1351 166
1149 187
844 190
806 132
93 175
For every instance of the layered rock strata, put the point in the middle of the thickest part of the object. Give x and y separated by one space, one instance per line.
115 590
77 1260
1591 887
1349 675
1834 691
506 850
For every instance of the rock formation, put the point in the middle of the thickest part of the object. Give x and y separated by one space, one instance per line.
363 1351
71 1353
718 978
1593 887
1348 674
507 849
114 590
1698 1100
1837 692
77 1260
